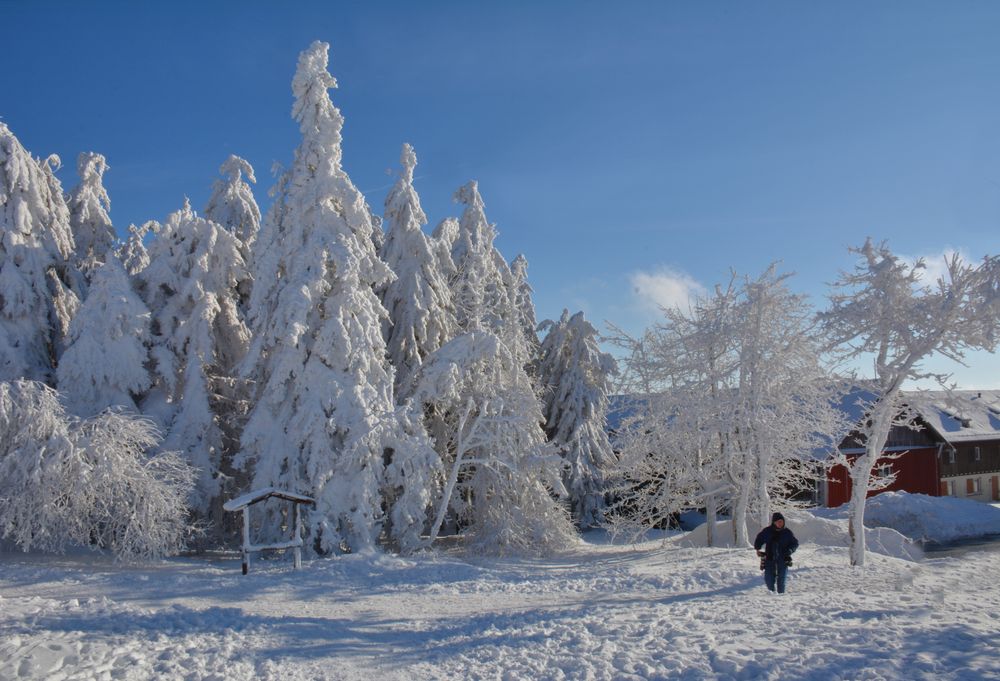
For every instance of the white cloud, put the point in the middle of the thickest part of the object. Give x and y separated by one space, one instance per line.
935 265
666 287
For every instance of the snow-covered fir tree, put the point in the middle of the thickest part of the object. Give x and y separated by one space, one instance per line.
232 203
418 300
413 476
479 286
191 285
487 295
36 276
575 379
323 386
89 205
132 252
520 294
106 361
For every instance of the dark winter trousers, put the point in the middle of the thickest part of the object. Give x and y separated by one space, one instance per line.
774 570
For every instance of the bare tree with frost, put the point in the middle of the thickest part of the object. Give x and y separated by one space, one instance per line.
750 353
106 362
191 283
672 448
575 379
89 205
501 476
95 482
322 384
418 300
884 312
36 276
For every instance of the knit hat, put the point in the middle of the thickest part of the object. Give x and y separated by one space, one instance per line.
775 517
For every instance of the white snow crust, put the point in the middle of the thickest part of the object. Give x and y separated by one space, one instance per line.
654 610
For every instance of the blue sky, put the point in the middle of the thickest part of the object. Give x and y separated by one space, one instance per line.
632 151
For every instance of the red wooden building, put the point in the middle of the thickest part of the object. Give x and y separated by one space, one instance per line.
955 451
916 472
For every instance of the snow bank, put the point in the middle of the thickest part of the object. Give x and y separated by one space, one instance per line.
933 519
813 529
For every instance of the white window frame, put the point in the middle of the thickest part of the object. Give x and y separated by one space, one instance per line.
977 487
977 454
951 487
951 456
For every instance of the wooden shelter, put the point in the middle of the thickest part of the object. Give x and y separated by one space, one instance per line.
244 503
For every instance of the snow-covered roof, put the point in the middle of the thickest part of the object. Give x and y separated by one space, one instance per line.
261 494
959 415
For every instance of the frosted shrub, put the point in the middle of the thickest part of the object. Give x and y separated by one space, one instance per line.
94 482
135 502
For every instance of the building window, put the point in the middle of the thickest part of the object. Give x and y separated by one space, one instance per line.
951 488
885 471
972 487
976 454
951 456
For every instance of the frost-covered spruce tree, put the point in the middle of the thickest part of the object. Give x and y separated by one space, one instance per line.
575 378
89 204
232 203
487 295
67 285
501 475
233 206
323 387
883 310
520 294
96 482
36 244
413 476
418 300
105 363
480 284
191 285
132 252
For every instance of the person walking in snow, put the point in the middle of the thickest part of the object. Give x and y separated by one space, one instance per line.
778 544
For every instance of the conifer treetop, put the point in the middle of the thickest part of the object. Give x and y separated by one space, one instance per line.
313 109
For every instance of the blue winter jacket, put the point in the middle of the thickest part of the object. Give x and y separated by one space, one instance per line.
780 544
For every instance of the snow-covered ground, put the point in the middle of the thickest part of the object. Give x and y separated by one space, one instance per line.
661 609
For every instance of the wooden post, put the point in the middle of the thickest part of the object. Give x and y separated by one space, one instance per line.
297 551
246 539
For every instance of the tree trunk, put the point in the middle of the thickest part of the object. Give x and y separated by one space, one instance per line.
860 474
882 417
740 515
710 512
763 498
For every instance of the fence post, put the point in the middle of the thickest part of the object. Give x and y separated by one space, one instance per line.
246 539
297 551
